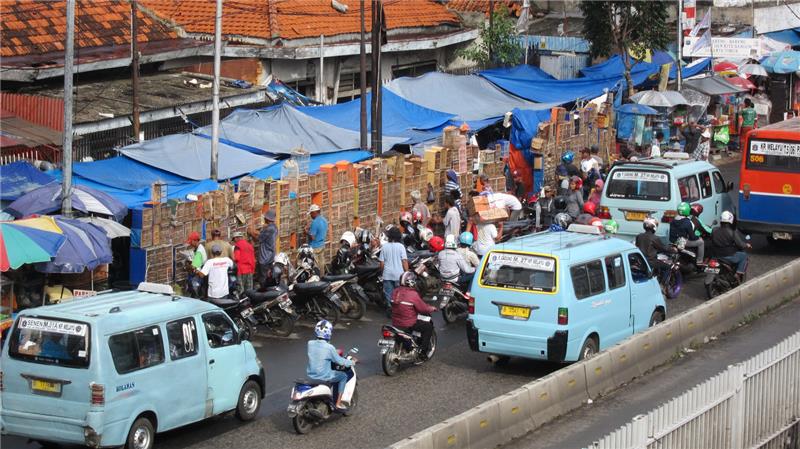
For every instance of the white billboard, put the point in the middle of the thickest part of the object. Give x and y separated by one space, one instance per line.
723 47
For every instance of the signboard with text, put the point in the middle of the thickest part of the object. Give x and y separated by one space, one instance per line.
723 47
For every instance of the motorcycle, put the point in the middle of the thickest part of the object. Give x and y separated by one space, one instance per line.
314 300
721 276
370 277
399 347
240 312
352 297
671 279
313 401
273 309
423 264
453 301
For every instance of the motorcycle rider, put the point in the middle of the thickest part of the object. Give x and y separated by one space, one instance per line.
452 265
728 244
465 241
700 229
565 171
344 256
406 306
650 245
682 227
321 354
588 214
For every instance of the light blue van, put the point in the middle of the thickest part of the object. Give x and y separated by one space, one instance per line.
561 296
114 369
656 186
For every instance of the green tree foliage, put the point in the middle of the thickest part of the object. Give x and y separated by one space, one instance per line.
626 27
501 38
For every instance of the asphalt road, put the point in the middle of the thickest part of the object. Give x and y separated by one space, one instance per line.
393 408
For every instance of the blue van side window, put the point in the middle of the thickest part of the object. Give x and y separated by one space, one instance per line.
220 330
705 184
616 271
588 279
639 269
182 338
138 349
688 188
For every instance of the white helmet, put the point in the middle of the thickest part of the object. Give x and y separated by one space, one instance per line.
425 234
650 223
450 242
348 237
726 217
282 259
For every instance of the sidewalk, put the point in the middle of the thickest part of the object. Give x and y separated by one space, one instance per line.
593 421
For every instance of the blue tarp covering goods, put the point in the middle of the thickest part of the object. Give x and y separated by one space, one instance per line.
20 177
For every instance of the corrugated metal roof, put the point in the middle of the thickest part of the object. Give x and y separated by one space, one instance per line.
557 43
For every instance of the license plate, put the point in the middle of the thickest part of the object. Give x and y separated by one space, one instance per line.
247 313
385 342
781 236
712 270
515 312
285 305
635 216
44 386
445 300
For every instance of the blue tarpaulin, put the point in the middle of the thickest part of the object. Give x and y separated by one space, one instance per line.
522 71
136 174
315 162
560 91
692 69
791 36
615 66
19 178
524 126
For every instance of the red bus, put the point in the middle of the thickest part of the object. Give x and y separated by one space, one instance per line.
769 184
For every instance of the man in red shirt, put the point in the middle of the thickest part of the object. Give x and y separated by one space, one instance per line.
245 257
406 306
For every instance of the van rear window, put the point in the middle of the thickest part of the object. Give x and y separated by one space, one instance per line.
51 342
519 271
648 185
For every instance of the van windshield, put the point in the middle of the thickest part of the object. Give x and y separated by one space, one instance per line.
519 271
648 185
51 342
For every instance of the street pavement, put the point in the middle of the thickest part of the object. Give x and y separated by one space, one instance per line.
391 409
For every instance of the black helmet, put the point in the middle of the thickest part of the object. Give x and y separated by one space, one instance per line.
560 203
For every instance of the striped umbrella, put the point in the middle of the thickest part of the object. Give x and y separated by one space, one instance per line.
47 199
28 241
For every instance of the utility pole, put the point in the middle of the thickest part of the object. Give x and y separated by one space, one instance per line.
375 76
491 30
135 71
363 80
66 152
678 69
215 102
377 123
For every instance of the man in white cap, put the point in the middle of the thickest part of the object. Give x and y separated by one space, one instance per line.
318 233
704 147
421 207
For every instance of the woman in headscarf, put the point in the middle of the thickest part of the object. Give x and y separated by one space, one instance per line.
596 193
453 188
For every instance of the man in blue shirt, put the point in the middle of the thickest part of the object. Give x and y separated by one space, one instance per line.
394 262
317 233
321 354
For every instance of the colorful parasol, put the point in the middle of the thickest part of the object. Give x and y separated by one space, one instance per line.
726 67
740 82
28 241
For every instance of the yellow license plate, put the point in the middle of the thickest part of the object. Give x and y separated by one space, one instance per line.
515 312
45 386
635 216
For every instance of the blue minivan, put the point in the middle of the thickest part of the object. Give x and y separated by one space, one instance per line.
114 369
561 296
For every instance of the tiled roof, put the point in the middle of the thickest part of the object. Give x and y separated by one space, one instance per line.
32 27
483 6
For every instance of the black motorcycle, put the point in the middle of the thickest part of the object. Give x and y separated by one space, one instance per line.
273 309
240 312
452 300
370 277
314 300
399 347
721 276
345 289
423 264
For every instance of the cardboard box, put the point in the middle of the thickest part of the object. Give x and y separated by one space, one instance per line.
493 215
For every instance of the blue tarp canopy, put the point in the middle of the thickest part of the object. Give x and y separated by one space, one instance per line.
560 91
315 162
791 36
524 127
283 128
18 178
691 69
401 117
189 156
522 71
614 66
469 97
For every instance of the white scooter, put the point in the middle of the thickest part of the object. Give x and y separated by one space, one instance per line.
313 401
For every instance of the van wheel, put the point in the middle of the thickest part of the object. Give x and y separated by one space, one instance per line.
249 401
656 317
588 350
141 435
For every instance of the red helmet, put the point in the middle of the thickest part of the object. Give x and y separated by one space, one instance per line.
697 209
417 216
436 243
590 208
599 223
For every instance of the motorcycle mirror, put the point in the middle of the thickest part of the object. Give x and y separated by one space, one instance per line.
747 237
354 350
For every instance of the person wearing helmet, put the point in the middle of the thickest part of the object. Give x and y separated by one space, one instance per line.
407 306
545 207
700 229
682 227
393 262
452 266
650 245
611 226
344 255
436 244
321 355
728 244
419 207
574 198
588 214
566 168
465 241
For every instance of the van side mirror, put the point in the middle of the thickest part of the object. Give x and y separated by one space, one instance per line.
242 336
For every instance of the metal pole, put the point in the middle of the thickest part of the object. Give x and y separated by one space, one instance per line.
135 71
376 91
491 29
66 152
363 80
679 71
215 104
374 78
321 94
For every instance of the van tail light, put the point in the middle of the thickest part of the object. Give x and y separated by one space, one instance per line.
98 394
668 216
470 303
713 263
603 213
746 191
563 315
387 334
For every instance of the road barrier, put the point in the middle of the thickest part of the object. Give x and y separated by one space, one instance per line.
523 410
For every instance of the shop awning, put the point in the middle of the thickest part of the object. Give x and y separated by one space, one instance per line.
713 85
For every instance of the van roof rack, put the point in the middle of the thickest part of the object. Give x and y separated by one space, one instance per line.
152 287
584 229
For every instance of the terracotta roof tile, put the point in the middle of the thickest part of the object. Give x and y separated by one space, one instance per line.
483 6
35 27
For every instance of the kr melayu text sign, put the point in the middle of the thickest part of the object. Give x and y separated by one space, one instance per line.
772 148
724 47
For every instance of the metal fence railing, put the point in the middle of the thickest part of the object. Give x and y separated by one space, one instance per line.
753 404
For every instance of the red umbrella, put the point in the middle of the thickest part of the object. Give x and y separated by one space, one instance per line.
738 81
725 66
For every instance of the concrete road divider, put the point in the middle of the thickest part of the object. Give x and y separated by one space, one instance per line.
523 410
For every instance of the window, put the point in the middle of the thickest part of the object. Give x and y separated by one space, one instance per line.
616 272
137 349
689 189
519 271
588 279
719 183
182 338
645 185
705 184
773 155
50 342
220 330
640 272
